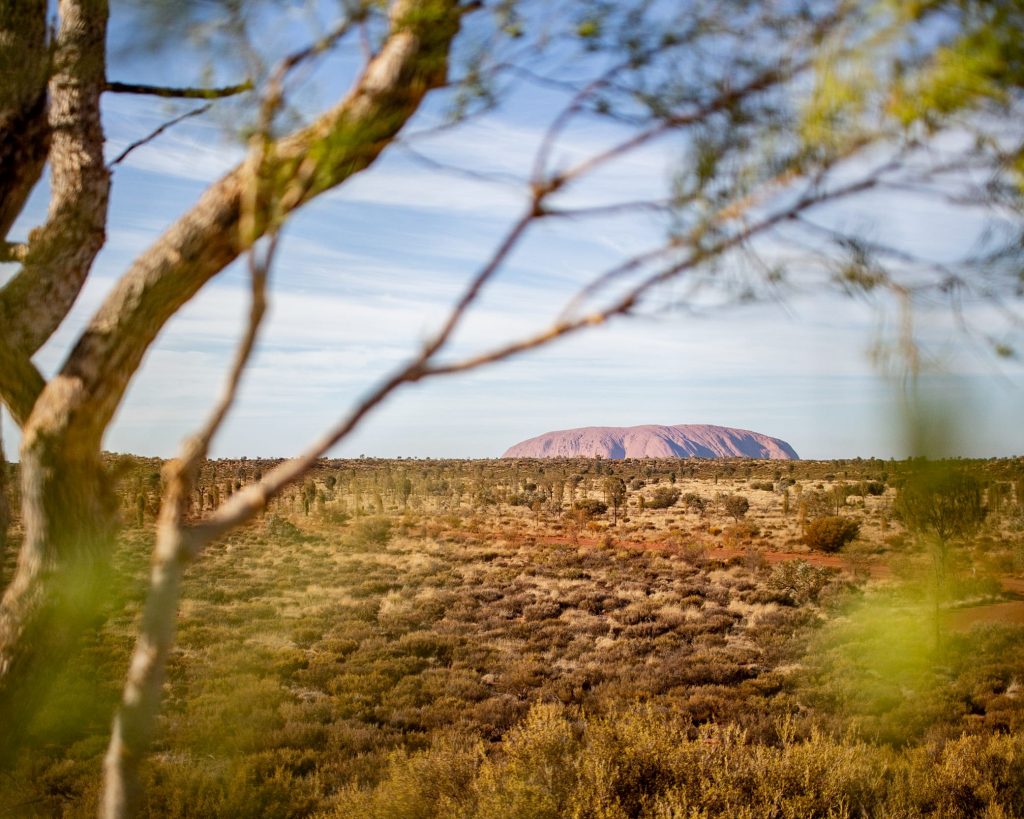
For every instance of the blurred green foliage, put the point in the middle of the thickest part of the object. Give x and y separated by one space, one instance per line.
942 499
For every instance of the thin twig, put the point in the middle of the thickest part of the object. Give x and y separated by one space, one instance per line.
316 47
477 284
613 209
732 211
179 93
722 102
507 180
195 112
561 122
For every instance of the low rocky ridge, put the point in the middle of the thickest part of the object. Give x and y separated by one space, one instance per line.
654 441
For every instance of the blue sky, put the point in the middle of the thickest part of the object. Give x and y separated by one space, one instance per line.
366 272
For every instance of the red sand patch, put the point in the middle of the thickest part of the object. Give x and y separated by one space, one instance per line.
1009 613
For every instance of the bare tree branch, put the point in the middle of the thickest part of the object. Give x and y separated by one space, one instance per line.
625 303
20 384
251 499
613 209
179 93
318 46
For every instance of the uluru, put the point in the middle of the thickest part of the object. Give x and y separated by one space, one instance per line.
654 441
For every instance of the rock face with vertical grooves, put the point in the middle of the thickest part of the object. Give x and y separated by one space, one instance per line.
654 441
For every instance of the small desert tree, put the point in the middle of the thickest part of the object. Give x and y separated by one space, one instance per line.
615 494
735 506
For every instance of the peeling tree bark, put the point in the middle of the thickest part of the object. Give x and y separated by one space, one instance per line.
5 509
67 506
24 145
24 131
61 252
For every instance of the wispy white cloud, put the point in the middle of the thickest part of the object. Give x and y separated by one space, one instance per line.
367 272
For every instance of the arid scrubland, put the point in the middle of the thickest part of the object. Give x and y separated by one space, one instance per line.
475 638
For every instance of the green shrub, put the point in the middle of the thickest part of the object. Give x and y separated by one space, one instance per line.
641 762
334 516
830 533
799 580
282 529
590 507
695 503
663 497
429 784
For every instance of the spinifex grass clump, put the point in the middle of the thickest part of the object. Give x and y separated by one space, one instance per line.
644 761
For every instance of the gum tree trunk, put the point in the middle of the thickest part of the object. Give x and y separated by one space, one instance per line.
66 510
